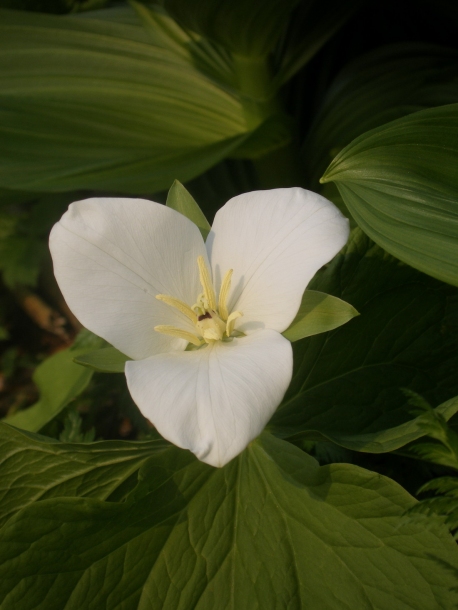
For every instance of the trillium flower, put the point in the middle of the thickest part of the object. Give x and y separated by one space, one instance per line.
202 322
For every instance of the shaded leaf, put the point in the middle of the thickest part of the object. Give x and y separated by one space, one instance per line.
105 360
246 28
271 529
347 383
400 183
37 468
311 25
373 90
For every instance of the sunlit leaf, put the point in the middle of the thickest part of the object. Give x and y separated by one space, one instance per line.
272 529
59 381
153 117
400 183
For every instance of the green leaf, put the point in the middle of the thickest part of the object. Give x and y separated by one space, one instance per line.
318 313
347 384
272 529
37 468
105 360
400 183
182 201
59 381
311 26
153 117
20 260
250 28
376 88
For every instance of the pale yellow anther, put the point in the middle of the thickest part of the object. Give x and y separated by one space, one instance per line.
177 304
231 322
224 291
173 331
207 285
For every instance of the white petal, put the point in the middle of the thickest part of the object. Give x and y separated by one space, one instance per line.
275 241
113 256
215 400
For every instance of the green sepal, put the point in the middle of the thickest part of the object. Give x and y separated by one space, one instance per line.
181 200
318 313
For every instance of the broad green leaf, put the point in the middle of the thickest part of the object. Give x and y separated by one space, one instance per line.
182 201
400 183
153 117
36 468
373 90
318 313
208 57
250 28
272 529
105 360
59 381
347 383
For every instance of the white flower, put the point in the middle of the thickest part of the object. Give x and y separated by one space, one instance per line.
139 275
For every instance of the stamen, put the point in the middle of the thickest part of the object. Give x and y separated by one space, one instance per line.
205 280
231 322
185 309
224 291
173 331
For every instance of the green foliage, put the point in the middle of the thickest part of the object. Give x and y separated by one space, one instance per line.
59 381
35 468
153 117
105 360
270 527
347 383
400 183
53 6
72 432
246 28
443 450
373 90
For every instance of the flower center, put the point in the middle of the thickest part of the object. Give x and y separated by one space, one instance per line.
211 319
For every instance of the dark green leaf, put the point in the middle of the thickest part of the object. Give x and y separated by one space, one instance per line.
105 360
20 260
311 26
246 28
318 313
59 381
400 183
377 88
36 468
153 117
347 384
270 530
182 201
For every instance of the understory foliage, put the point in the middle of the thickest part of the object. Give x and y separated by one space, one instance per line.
191 104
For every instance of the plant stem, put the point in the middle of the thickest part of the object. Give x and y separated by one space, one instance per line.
279 167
